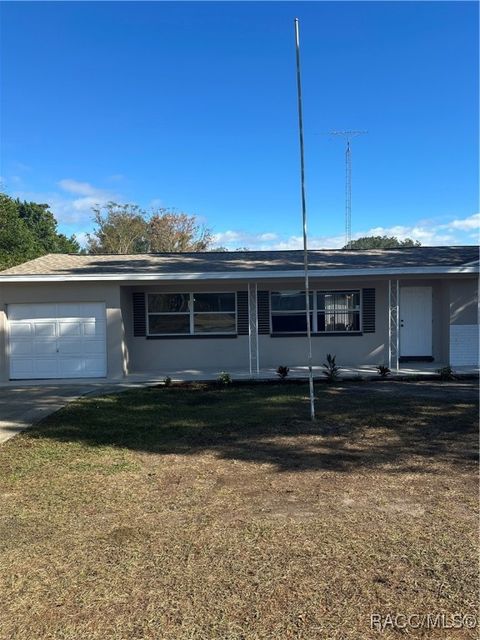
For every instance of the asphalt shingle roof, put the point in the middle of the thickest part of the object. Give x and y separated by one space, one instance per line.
247 261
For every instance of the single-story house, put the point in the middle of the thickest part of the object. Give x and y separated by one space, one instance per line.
107 316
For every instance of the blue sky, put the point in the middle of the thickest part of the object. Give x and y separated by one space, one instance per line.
192 105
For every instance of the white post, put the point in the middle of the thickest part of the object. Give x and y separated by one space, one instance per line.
389 324
249 333
394 324
397 315
253 351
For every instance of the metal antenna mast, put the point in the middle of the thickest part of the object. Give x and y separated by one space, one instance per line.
348 135
304 219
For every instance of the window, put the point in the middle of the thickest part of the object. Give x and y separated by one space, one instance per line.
338 311
335 311
191 313
289 311
214 313
168 313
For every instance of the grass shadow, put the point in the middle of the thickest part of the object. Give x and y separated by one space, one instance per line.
398 426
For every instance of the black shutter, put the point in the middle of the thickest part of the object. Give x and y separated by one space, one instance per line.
139 316
263 312
368 310
242 313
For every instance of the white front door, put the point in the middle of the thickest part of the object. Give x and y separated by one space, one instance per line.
415 321
65 340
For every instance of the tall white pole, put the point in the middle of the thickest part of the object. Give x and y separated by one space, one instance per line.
304 217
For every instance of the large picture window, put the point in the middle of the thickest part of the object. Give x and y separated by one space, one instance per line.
331 311
191 313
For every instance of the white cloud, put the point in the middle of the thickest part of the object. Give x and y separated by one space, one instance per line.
472 222
427 232
72 203
86 204
78 188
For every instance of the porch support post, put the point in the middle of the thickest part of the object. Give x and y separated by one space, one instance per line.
393 324
253 330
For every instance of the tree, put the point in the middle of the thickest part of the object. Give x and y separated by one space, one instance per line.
121 228
41 222
169 231
381 242
126 228
29 230
17 243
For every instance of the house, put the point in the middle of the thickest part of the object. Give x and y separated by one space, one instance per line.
106 316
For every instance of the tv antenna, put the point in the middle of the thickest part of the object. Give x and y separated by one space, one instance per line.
347 136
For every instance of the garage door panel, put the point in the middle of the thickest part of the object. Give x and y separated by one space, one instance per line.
95 329
18 330
69 310
70 346
21 348
94 347
31 311
57 340
45 367
44 329
21 368
94 366
93 311
69 329
45 348
71 367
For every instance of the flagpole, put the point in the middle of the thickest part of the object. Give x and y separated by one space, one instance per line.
304 218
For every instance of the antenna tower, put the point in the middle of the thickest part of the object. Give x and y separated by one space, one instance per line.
347 136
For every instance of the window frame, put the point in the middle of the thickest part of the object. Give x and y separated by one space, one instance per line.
314 310
191 314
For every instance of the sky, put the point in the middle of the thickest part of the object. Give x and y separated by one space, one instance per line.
193 106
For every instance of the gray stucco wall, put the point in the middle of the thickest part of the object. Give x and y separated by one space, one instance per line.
454 298
350 350
167 355
170 354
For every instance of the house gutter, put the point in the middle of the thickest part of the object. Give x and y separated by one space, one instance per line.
240 275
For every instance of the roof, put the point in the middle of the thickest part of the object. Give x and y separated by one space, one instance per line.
245 264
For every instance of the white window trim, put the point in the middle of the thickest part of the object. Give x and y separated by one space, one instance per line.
315 311
191 313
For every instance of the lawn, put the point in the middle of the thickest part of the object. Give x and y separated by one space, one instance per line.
202 513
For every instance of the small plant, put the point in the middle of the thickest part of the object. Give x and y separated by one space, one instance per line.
282 372
331 368
383 371
224 379
167 381
445 373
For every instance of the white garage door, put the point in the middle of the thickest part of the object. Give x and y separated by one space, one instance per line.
65 340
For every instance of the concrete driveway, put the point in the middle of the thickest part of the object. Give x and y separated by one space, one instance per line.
22 406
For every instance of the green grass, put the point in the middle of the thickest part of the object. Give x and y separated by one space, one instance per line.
201 513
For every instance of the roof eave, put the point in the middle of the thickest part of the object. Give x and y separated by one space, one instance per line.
241 275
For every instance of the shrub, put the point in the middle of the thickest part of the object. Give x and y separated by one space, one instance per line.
331 370
445 373
224 379
167 381
282 372
383 371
